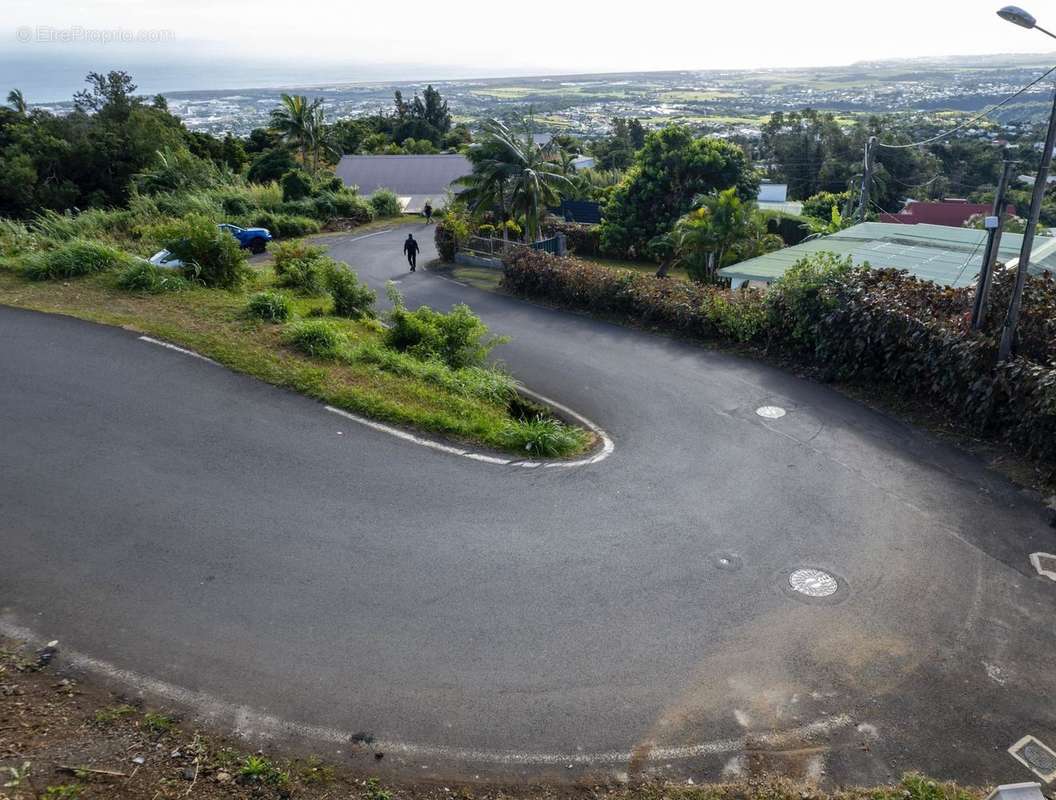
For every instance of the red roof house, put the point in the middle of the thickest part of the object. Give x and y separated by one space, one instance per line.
951 213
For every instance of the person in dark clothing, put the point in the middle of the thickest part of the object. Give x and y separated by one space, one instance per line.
410 247
428 210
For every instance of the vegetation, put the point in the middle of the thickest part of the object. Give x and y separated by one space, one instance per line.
141 276
385 203
670 171
209 255
512 178
72 259
270 306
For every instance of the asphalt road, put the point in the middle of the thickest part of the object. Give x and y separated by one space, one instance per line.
239 549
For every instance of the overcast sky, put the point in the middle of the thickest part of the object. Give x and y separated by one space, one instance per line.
450 38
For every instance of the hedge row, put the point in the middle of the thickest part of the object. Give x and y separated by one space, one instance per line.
875 327
583 240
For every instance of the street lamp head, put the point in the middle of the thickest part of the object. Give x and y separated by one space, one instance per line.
1018 16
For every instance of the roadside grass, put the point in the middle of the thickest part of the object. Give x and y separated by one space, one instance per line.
216 324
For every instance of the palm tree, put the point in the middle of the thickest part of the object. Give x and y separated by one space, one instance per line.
518 174
702 238
294 119
17 101
321 137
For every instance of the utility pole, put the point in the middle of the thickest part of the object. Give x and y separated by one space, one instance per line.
867 178
995 225
1008 332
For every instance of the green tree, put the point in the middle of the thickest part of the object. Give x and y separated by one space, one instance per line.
520 171
17 101
670 171
294 121
702 239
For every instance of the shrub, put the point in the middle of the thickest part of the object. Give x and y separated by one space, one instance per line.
270 306
72 259
209 254
295 184
144 277
349 205
302 267
458 338
286 226
316 337
543 437
583 240
800 299
386 203
352 298
450 234
485 383
15 238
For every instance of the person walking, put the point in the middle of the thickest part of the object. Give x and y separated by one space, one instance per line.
410 247
428 210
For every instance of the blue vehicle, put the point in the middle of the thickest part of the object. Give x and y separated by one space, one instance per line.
254 239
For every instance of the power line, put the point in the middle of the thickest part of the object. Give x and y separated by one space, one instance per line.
976 118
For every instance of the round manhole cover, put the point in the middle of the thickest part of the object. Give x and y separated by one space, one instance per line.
813 582
770 412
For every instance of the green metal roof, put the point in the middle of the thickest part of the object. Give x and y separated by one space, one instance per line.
947 256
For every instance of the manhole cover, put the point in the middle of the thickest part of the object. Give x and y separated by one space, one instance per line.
770 412
813 582
1035 755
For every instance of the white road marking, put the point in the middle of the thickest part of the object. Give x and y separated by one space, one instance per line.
606 450
178 349
253 724
1037 558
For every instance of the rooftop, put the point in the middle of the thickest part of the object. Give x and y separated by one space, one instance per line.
415 179
947 256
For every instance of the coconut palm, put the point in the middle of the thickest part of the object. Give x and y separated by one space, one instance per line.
17 100
514 175
322 137
293 121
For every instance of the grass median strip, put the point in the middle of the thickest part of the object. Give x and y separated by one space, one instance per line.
344 362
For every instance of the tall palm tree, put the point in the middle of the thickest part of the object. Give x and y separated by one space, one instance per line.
17 100
293 120
516 175
322 137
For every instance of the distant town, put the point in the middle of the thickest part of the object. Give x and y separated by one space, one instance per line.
730 103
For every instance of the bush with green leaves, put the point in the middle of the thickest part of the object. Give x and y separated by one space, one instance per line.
146 278
270 306
296 184
800 299
72 259
458 338
352 298
450 234
386 203
316 337
302 267
209 255
543 437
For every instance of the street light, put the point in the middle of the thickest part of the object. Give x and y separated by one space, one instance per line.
1018 16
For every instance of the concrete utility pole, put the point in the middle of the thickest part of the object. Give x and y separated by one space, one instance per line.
867 178
995 224
1008 333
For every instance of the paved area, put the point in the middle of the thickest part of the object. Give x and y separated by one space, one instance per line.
219 541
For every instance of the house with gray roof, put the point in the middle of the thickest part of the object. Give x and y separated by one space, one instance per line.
415 179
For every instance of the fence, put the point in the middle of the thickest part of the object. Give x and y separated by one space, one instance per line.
499 248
